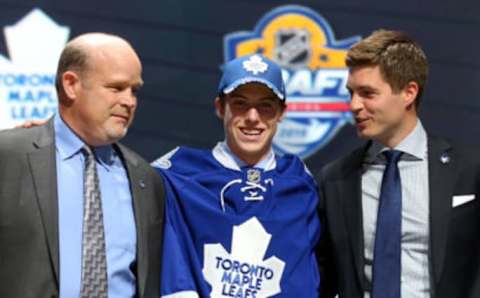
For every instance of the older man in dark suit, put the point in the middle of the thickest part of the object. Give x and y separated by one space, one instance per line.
80 214
402 212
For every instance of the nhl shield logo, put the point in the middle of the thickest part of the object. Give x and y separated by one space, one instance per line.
292 48
253 175
314 70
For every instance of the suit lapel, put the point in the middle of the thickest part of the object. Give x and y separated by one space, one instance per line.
350 194
442 171
137 184
43 166
441 183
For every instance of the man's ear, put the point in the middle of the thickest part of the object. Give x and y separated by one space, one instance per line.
410 93
70 82
219 107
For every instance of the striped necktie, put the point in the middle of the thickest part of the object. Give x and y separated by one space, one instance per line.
94 261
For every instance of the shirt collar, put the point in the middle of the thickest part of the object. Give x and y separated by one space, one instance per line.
228 159
68 144
414 146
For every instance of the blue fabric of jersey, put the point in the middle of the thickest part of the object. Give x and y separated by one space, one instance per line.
206 202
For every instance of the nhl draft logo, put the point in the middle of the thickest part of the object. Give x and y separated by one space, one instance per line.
243 272
27 76
314 70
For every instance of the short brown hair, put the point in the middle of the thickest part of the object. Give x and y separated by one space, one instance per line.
400 58
73 57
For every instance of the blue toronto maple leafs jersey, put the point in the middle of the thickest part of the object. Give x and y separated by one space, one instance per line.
238 232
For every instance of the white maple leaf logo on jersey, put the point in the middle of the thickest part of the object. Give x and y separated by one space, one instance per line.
255 64
243 272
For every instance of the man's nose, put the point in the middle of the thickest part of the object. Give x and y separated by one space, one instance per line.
252 114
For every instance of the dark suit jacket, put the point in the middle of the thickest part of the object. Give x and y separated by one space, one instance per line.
29 257
454 251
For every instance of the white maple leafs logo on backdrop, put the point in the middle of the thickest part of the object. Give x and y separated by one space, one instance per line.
255 65
27 76
243 272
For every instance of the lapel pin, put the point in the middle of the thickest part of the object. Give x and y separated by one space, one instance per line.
445 158
141 183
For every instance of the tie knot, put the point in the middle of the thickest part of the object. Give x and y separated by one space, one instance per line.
87 151
392 156
88 154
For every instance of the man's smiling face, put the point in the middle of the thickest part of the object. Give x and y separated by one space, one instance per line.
250 115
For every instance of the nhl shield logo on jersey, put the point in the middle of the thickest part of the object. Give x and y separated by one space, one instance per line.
253 175
243 272
314 70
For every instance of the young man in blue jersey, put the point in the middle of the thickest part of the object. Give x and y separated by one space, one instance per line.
241 221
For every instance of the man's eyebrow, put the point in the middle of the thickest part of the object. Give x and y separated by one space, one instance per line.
237 94
361 88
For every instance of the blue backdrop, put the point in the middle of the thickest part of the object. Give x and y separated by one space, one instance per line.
181 45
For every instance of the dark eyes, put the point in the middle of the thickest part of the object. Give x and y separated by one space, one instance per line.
239 103
362 93
266 108
366 94
117 89
135 90
245 104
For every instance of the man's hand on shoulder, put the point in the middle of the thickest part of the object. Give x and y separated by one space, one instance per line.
31 123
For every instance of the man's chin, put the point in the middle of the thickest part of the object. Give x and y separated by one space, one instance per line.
363 134
117 135
252 152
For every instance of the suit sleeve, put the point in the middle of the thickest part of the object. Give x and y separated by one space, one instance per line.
324 251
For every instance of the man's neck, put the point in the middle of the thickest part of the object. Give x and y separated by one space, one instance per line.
400 133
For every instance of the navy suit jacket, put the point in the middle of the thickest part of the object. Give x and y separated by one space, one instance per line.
454 248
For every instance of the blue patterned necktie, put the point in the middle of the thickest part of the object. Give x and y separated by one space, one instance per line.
94 261
387 251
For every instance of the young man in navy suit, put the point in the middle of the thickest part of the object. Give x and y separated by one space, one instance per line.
401 213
